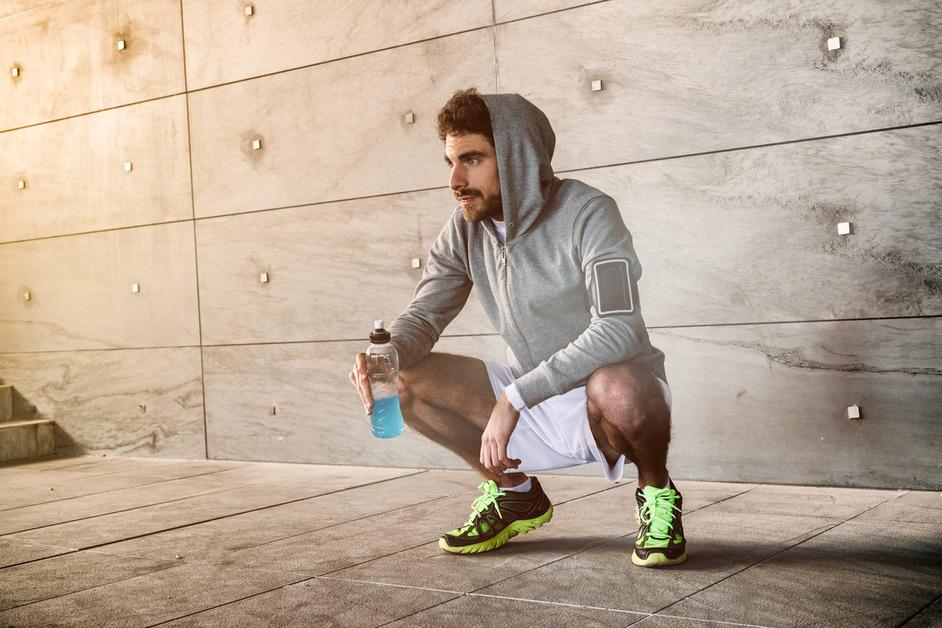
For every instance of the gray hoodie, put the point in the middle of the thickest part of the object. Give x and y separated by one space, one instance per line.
562 291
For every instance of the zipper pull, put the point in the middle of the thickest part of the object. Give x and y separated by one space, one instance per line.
503 253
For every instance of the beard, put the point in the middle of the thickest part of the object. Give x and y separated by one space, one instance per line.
490 207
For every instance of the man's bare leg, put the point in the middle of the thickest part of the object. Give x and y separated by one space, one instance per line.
628 415
448 398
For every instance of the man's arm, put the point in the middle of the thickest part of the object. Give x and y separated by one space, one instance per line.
616 332
438 298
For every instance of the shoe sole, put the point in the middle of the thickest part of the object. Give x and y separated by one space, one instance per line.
657 559
521 526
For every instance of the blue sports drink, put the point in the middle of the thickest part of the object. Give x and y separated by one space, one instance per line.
382 367
386 420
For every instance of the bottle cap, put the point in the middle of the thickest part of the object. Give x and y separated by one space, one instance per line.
379 335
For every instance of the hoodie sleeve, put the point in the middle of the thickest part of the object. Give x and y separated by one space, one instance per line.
616 331
439 296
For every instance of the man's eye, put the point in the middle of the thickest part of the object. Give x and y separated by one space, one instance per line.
471 159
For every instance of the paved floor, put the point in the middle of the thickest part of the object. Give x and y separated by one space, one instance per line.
140 542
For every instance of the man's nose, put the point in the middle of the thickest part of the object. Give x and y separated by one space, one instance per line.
458 181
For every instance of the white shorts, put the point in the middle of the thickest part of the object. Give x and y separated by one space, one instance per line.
555 433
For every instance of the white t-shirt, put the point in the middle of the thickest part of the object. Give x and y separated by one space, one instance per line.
501 229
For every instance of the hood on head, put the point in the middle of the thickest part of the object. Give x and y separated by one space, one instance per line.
524 142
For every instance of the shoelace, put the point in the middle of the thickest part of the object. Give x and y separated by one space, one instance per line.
658 514
491 493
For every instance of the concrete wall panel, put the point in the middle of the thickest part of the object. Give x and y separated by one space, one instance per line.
751 236
95 397
9 7
80 290
70 62
63 194
506 10
319 416
332 269
751 403
693 76
224 44
768 403
332 131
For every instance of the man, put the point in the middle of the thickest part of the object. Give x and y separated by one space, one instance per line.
555 270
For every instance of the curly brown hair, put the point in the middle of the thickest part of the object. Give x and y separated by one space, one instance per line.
465 112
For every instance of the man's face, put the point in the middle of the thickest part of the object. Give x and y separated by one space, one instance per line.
474 179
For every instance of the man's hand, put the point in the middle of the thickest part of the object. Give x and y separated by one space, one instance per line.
496 436
361 381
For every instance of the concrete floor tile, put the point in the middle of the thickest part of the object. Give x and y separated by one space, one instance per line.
759 555
906 545
320 602
208 505
564 488
929 617
14 552
218 538
338 547
82 486
813 501
604 576
915 506
52 513
496 612
60 575
148 599
802 587
670 621
576 526
89 466
325 550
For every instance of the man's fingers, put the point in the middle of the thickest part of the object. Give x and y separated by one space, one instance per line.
488 459
362 382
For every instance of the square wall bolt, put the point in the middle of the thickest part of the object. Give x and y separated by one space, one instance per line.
597 86
853 412
843 228
834 43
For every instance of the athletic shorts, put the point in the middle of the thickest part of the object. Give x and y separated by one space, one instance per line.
555 433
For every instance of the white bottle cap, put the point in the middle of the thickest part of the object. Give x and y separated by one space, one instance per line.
377 324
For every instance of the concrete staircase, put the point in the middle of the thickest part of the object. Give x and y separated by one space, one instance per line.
23 438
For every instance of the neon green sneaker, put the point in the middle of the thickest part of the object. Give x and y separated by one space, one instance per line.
496 517
660 539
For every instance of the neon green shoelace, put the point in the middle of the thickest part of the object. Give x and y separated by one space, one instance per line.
490 492
658 512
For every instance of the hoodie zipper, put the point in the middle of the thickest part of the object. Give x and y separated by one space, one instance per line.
503 259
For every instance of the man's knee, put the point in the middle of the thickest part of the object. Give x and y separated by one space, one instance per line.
413 381
625 396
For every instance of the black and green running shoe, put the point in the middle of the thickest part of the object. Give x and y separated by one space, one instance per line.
660 539
498 516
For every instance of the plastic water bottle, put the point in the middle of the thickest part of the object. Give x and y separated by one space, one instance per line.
382 367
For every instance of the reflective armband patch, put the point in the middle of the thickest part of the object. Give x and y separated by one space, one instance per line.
613 293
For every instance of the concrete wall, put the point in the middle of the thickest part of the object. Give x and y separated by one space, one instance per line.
733 139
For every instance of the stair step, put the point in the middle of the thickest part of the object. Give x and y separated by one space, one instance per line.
27 439
6 402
